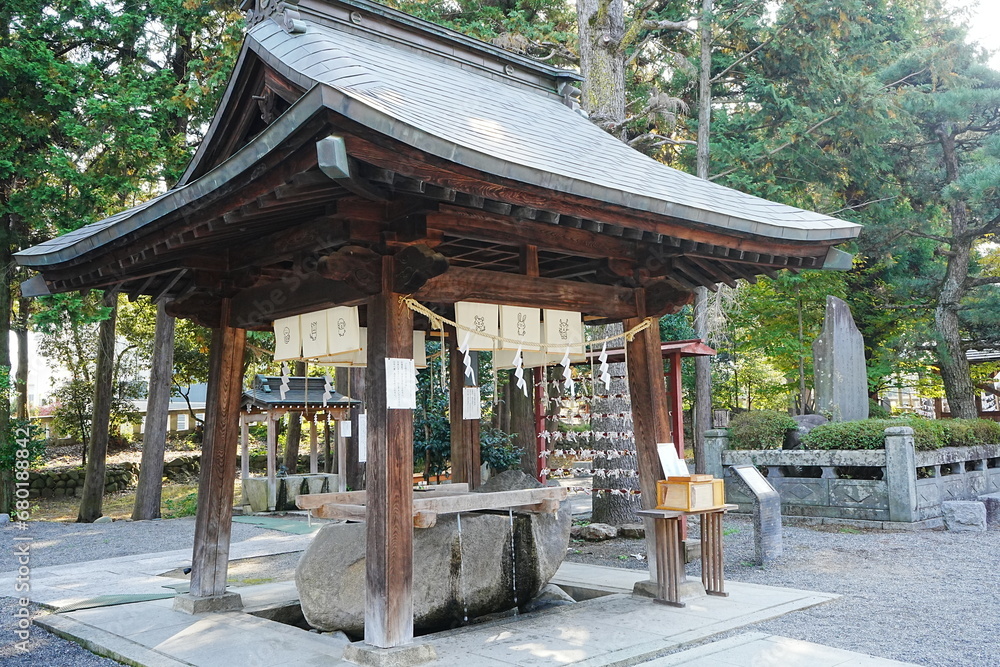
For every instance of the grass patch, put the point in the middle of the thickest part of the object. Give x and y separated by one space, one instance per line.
249 581
175 499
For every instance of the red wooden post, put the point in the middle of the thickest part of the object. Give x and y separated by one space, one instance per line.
676 397
389 520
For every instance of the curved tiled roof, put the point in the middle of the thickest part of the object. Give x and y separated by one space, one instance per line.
484 123
462 113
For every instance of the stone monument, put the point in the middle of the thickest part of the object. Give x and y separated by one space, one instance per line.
841 379
766 511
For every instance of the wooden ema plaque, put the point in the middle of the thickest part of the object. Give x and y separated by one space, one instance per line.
690 493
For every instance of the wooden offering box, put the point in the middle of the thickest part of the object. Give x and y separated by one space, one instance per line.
690 493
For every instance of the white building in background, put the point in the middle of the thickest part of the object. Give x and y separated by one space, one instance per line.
42 378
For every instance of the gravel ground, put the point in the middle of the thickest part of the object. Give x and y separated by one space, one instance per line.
60 543
55 543
929 597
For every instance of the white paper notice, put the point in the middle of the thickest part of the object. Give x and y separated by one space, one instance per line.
672 465
400 384
345 428
362 437
472 407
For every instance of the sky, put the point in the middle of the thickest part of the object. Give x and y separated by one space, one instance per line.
984 24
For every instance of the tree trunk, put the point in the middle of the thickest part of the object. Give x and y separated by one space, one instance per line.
6 432
703 365
293 437
522 421
950 355
611 428
601 25
97 450
154 440
21 381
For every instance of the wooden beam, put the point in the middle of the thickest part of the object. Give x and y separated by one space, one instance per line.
213 522
529 260
544 499
651 424
258 306
460 284
384 152
389 526
483 226
314 500
314 237
473 502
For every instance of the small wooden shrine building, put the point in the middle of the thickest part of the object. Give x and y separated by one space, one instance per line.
360 155
270 398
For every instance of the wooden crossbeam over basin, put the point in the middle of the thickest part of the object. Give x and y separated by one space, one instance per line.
435 500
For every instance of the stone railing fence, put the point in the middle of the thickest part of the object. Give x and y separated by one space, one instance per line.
896 484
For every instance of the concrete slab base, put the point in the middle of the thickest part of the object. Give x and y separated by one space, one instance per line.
688 590
189 604
398 656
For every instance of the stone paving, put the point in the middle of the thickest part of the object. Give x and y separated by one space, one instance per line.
613 629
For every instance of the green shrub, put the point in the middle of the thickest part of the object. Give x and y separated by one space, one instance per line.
863 434
928 434
759 429
497 449
987 431
876 411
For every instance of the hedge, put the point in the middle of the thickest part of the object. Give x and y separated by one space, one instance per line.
928 434
759 429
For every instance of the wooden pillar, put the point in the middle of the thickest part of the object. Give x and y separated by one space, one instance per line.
465 454
389 519
213 523
327 442
313 445
272 446
342 445
676 405
541 403
244 448
649 406
351 382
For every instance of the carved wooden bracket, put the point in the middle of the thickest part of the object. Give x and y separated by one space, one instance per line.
357 266
415 265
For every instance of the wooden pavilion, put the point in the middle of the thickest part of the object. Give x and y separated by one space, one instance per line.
359 155
270 398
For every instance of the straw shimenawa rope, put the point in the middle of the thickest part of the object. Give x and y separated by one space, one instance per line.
438 322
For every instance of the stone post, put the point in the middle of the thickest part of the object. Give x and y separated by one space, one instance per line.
716 441
901 473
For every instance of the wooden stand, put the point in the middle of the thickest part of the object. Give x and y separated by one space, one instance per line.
670 552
